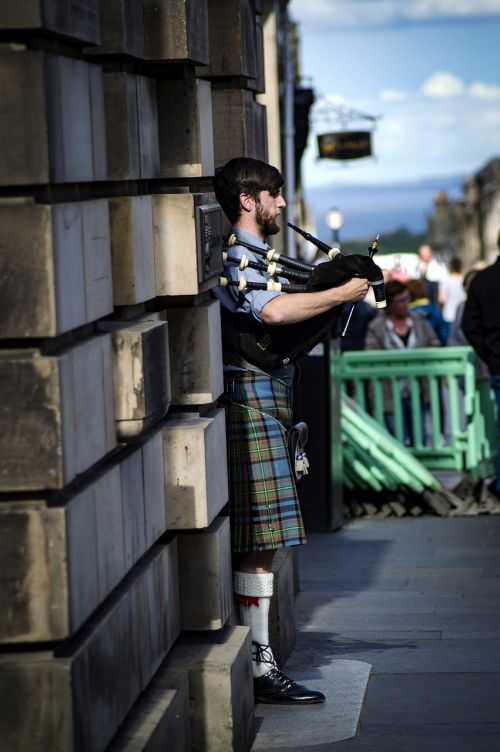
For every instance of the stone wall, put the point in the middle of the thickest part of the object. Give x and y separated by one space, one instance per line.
113 478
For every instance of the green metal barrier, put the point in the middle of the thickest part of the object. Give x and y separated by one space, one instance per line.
375 460
456 430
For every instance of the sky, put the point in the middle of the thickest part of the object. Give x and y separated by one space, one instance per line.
429 68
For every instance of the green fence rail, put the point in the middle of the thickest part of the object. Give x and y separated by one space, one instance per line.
375 460
455 429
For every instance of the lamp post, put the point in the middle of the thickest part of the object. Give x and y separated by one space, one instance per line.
334 219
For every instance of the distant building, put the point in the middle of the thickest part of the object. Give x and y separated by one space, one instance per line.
468 226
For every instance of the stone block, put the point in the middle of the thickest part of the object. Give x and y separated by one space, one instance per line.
134 532
57 417
282 609
120 98
155 516
30 253
131 126
78 235
92 372
191 222
234 124
176 31
141 374
194 457
122 29
33 573
258 84
109 524
147 115
160 719
70 119
220 689
96 259
91 682
132 249
260 131
232 39
76 19
186 140
53 119
196 350
205 576
98 123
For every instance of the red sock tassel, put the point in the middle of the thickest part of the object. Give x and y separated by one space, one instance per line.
246 600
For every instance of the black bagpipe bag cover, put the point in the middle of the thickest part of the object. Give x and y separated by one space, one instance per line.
272 347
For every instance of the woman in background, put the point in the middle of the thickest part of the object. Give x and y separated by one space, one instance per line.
398 328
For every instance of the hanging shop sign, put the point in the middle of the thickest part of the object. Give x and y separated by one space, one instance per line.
345 145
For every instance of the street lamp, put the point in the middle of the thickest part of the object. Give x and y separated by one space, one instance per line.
334 219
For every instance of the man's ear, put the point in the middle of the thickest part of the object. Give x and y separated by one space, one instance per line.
247 202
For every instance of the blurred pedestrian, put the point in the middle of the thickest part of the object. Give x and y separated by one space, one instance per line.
457 338
420 303
451 291
481 326
433 272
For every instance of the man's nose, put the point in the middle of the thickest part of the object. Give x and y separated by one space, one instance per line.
281 203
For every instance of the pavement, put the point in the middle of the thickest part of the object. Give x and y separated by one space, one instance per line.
398 622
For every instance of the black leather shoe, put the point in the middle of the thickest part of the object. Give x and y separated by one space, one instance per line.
277 689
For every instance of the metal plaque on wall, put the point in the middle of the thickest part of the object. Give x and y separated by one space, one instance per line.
209 241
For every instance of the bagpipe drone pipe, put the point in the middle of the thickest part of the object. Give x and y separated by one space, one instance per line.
272 347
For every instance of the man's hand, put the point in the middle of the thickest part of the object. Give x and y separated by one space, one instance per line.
354 290
288 309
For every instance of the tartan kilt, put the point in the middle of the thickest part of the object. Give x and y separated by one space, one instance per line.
264 506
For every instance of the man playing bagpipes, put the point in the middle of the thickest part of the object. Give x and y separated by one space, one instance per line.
259 369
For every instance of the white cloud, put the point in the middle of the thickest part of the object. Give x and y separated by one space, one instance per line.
488 121
443 85
480 90
393 95
394 127
356 14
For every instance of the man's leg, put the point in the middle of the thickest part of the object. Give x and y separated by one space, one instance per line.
253 587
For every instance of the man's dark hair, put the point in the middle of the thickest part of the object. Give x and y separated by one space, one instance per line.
244 175
393 288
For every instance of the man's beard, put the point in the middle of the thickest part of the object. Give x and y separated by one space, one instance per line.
267 223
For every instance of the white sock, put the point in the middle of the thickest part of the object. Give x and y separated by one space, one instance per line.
253 597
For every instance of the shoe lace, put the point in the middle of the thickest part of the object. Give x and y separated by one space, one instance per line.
263 653
283 679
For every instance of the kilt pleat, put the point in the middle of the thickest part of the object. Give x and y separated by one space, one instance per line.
264 507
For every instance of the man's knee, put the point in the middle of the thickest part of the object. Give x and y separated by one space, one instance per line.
255 562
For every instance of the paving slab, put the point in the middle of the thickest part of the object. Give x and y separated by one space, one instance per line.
466 698
343 682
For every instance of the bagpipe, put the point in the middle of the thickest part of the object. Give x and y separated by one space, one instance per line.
273 347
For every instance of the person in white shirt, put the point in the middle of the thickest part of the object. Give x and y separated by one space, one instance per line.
429 267
451 291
